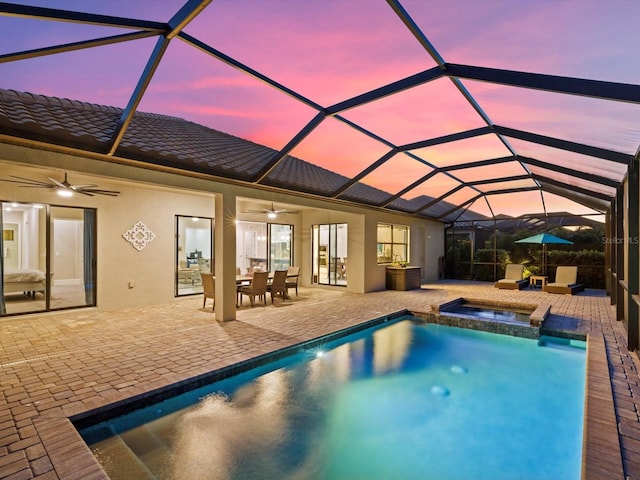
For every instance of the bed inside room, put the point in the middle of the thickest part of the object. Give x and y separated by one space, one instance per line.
24 281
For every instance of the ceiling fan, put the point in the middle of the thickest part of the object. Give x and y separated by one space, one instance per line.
273 212
64 188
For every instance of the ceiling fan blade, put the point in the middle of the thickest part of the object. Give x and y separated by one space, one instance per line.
90 189
38 186
29 182
59 184
97 191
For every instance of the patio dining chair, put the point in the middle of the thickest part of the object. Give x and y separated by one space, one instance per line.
208 288
258 288
278 285
292 278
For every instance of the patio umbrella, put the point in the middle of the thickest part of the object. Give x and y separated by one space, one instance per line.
544 239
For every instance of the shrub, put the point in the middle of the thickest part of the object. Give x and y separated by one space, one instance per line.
483 264
590 264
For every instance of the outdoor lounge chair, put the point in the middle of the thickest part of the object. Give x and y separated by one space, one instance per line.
566 277
513 278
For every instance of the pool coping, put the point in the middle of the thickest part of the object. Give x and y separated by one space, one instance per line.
602 457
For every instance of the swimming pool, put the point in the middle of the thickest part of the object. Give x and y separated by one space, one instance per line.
406 400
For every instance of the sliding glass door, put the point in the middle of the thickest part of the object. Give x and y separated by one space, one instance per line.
263 246
280 249
330 254
48 258
194 253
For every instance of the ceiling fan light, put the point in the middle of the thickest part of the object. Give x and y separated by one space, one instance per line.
65 192
271 215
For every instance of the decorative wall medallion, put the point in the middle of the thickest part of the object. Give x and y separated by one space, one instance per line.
139 236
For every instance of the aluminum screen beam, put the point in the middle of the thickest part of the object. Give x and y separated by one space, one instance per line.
179 21
587 201
622 92
245 69
42 13
492 192
447 138
70 47
279 156
565 145
390 89
364 173
633 259
410 187
571 172
474 183
582 191
478 163
138 93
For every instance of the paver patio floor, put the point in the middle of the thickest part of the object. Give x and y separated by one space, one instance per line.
57 365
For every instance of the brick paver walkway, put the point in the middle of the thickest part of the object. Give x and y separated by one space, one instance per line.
59 365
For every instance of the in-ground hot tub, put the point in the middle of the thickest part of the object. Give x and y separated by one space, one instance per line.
518 319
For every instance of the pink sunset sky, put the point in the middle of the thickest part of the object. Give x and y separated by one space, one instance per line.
329 51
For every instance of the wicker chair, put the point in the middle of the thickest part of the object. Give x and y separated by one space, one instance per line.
258 288
208 288
292 278
278 285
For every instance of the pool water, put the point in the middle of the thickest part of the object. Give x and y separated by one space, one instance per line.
491 313
407 400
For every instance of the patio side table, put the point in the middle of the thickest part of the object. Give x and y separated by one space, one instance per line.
534 279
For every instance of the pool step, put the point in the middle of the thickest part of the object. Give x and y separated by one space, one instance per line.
147 444
561 343
126 464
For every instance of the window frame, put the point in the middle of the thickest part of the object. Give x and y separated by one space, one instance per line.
392 244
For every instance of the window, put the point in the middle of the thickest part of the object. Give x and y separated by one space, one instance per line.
393 243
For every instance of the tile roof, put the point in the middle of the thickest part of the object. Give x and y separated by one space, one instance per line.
175 142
